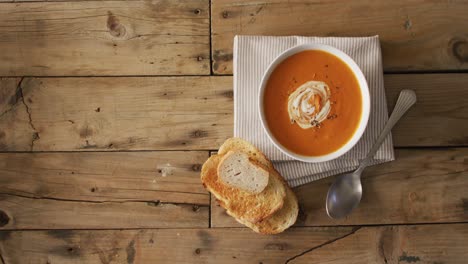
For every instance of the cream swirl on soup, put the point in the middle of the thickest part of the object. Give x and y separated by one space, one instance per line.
309 105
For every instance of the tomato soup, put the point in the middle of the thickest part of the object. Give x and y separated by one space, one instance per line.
312 103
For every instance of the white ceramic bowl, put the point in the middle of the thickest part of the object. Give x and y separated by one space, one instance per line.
362 86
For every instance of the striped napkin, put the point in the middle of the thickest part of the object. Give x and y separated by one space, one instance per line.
253 54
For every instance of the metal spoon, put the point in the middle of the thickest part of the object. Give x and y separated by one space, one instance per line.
345 193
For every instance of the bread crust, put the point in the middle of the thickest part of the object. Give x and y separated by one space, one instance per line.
241 204
269 212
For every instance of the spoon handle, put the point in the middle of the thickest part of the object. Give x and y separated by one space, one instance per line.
406 99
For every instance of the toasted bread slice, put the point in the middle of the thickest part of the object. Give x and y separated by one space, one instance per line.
287 215
280 220
240 204
236 170
238 144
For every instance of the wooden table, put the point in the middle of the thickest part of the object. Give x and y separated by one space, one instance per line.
109 108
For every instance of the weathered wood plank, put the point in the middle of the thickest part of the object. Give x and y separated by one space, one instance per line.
421 186
409 42
441 113
166 176
115 113
21 1
31 213
146 113
389 244
102 190
402 244
104 38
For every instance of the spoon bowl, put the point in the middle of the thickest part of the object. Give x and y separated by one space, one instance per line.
344 195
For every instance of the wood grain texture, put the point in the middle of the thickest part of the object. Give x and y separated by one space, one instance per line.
105 38
29 213
420 186
102 190
409 41
51 114
402 244
166 176
389 244
146 113
440 114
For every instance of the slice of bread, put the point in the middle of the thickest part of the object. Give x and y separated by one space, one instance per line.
237 144
281 219
236 170
240 204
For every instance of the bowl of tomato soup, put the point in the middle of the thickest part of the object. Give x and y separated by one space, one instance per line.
314 102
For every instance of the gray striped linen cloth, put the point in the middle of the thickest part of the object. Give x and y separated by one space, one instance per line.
253 54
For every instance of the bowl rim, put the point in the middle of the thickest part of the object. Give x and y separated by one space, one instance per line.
362 83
